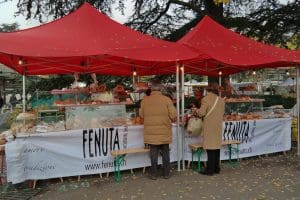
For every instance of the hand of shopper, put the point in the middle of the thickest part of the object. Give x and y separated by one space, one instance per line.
194 112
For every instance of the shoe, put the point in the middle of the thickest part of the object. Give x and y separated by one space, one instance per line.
206 173
152 177
217 171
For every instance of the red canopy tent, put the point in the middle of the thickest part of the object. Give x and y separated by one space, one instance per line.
231 52
87 41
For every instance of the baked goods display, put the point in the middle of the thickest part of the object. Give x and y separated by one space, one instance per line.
3 136
282 113
64 102
94 94
65 91
141 86
251 87
120 93
95 116
102 87
104 108
238 117
243 99
102 97
256 116
247 108
2 141
119 88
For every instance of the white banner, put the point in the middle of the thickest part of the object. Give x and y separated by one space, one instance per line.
75 152
87 151
257 137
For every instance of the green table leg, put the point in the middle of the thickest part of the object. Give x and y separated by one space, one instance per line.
117 165
237 151
198 152
192 157
230 151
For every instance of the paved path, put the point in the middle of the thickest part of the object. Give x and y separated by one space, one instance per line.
274 177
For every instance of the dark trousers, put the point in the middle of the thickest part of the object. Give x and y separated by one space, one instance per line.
154 150
213 161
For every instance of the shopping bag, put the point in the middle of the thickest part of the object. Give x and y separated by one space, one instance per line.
194 126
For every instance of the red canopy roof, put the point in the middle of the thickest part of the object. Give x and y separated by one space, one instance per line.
87 41
231 52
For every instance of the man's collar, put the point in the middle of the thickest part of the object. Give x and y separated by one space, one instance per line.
155 92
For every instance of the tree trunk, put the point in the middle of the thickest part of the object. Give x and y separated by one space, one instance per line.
215 11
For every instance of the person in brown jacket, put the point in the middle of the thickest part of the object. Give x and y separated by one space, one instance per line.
158 112
212 127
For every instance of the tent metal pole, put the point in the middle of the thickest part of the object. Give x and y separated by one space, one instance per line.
177 123
220 83
133 82
298 107
24 94
182 116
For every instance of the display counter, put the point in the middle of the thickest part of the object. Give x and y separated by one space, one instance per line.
94 116
87 151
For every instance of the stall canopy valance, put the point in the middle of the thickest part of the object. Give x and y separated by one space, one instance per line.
87 41
231 52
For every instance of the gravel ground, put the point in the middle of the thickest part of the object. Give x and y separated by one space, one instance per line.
275 176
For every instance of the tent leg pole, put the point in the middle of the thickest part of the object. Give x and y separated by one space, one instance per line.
220 84
182 116
133 82
177 123
24 95
298 108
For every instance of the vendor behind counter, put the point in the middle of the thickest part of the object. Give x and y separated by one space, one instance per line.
196 100
227 90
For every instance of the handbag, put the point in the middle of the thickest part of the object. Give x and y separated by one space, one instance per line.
194 126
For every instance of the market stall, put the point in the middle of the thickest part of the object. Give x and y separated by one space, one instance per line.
87 151
230 52
77 150
106 51
87 41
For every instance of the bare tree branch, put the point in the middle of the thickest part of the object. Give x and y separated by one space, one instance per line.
163 12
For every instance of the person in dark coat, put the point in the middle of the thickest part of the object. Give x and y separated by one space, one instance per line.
1 101
197 101
13 100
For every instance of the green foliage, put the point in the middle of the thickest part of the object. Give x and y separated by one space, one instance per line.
53 82
12 116
112 81
42 101
282 18
270 100
65 81
286 102
9 27
198 78
41 9
294 42
188 101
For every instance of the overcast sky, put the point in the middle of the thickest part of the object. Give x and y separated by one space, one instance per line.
8 9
